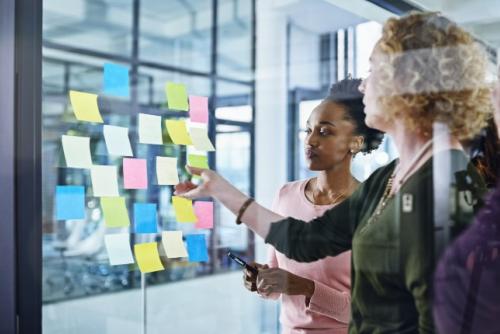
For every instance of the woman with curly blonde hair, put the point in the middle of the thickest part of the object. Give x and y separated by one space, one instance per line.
427 90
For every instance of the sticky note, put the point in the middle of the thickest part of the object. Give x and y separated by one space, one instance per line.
178 132
173 244
115 211
150 129
70 202
166 171
104 181
198 109
204 212
85 106
184 212
118 248
176 96
145 218
117 141
199 137
197 248
135 173
116 80
200 161
147 257
77 151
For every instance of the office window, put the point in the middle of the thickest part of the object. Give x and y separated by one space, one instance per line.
158 41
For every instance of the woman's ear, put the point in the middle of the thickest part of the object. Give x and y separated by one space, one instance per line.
357 144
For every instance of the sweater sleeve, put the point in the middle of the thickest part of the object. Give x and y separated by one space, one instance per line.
330 302
327 235
330 234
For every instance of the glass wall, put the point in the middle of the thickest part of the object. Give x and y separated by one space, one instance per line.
341 53
193 42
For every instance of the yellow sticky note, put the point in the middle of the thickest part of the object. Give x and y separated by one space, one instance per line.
115 211
184 212
178 132
177 97
147 257
85 106
199 161
199 137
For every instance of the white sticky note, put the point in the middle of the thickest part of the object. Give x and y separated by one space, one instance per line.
173 245
150 129
117 140
199 137
77 151
104 181
118 248
166 171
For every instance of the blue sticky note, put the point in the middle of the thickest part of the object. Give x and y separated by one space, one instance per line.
116 80
70 202
197 248
145 218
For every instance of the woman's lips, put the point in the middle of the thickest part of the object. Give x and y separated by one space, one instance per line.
310 154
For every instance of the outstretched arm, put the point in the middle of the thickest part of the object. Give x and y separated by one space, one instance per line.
327 235
256 217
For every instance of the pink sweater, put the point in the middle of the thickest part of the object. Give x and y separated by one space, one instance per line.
329 308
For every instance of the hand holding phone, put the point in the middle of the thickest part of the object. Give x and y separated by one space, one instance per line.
243 264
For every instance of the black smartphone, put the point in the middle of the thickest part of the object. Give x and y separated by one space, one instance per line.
242 263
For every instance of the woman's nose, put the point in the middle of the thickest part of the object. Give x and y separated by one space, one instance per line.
311 140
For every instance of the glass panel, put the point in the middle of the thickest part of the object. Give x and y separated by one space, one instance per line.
234 44
104 25
234 102
151 86
177 33
77 276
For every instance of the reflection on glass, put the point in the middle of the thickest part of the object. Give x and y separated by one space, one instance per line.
104 25
234 52
176 33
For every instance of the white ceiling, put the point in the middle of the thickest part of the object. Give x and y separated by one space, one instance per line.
317 16
481 17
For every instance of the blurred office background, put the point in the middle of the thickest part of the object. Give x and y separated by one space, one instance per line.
264 64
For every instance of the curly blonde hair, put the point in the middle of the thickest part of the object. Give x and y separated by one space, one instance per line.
432 70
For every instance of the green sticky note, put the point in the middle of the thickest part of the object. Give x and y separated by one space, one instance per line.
177 97
115 211
199 161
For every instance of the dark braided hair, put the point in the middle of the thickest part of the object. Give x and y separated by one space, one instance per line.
347 94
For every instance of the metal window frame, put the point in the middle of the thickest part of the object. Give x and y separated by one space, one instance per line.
7 152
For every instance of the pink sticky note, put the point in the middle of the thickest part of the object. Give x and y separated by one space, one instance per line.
198 109
204 211
135 173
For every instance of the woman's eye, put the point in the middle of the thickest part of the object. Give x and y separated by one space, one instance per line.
307 131
324 132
